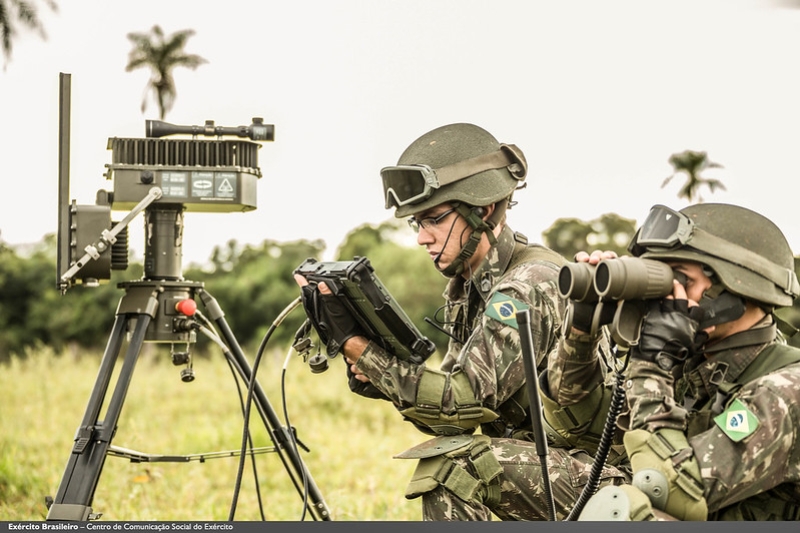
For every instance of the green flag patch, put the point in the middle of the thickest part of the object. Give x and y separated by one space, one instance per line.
737 422
504 308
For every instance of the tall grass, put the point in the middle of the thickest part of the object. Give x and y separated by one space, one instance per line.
351 441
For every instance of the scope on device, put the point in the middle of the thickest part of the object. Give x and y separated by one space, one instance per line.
161 178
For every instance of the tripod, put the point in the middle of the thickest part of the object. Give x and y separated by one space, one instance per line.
147 313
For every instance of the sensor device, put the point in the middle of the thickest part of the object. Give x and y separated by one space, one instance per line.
374 308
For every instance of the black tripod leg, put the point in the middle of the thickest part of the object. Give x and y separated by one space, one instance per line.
76 491
279 433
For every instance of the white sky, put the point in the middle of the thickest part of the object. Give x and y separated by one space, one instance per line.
597 94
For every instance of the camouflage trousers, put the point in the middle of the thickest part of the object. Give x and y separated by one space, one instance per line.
500 477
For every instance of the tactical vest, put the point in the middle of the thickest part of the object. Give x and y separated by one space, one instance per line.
779 503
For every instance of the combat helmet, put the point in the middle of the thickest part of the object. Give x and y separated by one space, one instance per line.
747 252
454 163
461 164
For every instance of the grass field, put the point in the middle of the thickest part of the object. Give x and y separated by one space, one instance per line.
351 441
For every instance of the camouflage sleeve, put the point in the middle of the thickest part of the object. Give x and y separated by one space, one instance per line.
575 368
657 445
738 464
577 391
750 448
650 396
487 370
397 379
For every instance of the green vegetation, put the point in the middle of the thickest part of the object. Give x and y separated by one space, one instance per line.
352 441
49 358
252 283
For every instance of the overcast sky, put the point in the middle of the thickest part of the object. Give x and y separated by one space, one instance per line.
597 94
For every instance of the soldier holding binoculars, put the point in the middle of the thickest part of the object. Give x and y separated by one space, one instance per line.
712 410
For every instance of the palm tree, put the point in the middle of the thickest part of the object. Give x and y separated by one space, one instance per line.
161 54
693 164
24 12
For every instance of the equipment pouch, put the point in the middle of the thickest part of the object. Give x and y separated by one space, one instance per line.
436 446
427 410
434 463
438 466
426 475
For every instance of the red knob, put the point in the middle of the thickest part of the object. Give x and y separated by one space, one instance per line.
186 307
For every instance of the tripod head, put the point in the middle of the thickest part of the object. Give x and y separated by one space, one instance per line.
162 177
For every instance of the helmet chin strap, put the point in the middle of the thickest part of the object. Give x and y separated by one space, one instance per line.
479 227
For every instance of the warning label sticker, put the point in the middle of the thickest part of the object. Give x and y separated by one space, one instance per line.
225 185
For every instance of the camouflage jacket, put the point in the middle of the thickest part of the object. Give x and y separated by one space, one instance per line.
482 370
749 475
745 436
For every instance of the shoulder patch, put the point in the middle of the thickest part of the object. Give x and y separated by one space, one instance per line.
737 422
504 309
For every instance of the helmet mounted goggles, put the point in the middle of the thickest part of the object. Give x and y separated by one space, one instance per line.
411 184
665 229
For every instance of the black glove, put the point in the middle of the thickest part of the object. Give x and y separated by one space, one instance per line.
331 319
368 390
670 333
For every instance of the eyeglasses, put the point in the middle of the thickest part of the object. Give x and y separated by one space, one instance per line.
428 223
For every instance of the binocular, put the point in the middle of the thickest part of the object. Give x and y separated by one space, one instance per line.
623 278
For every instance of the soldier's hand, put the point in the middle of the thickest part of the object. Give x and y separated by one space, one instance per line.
360 384
669 331
582 313
334 324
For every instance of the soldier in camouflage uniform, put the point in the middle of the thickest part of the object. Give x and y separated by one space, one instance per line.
455 183
712 426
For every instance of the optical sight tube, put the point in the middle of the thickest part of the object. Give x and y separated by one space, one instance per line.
632 278
163 242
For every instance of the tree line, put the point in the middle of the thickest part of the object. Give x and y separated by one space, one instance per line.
253 285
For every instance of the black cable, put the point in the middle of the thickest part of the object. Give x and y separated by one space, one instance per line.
226 351
606 438
293 440
229 359
246 428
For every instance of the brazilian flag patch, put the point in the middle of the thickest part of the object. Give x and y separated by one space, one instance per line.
737 422
504 308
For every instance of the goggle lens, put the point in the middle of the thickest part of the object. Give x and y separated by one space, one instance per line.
404 185
664 227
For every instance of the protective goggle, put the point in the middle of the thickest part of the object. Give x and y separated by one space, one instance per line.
411 184
664 229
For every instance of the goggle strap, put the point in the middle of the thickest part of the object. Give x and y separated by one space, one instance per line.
784 278
507 156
